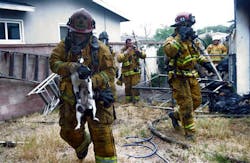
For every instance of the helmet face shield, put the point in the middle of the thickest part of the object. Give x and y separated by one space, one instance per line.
78 41
79 38
181 19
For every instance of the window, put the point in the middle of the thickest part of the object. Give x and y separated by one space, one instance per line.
2 31
11 31
63 32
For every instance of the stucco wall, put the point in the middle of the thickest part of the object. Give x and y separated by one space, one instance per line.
42 25
13 100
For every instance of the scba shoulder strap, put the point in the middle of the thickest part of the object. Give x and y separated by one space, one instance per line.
94 54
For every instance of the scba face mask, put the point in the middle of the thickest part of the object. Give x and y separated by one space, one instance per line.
79 41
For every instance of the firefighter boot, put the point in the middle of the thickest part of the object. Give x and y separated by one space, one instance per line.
81 155
82 150
190 137
174 120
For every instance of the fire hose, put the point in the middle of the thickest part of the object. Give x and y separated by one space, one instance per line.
154 147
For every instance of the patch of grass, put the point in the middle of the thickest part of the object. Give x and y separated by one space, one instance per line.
218 139
228 139
44 144
29 150
222 158
218 128
219 158
124 131
143 133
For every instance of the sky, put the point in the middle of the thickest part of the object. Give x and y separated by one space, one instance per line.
153 14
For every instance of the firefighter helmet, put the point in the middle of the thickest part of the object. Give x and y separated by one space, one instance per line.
216 37
81 22
184 19
103 35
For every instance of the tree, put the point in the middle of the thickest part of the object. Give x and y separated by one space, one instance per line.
207 40
212 29
162 33
218 28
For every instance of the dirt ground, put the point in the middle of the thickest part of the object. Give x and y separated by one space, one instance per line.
132 121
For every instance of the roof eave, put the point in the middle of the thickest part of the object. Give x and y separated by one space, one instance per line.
110 8
15 6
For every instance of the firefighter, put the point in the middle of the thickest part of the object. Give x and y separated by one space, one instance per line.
217 49
183 54
131 72
103 36
98 64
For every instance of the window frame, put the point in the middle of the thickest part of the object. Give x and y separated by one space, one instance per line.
21 31
59 30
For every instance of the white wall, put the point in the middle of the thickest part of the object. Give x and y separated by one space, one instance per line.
242 53
45 20
42 25
109 23
151 62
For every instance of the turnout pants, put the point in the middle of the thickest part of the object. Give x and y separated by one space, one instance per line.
100 132
132 95
186 92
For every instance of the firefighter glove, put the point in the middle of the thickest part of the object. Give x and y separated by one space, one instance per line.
137 52
83 71
209 67
106 96
74 66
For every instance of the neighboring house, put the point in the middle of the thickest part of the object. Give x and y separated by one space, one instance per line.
241 42
39 22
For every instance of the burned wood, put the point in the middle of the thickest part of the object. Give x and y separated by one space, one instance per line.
43 122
